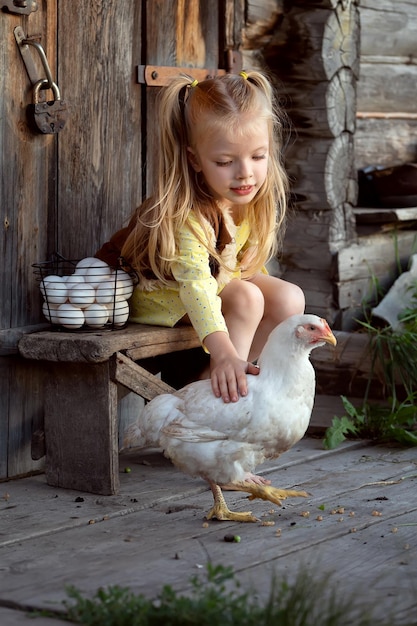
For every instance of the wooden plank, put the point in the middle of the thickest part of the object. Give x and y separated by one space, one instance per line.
10 337
375 255
184 33
17 616
324 108
175 545
326 407
372 262
365 215
81 429
385 142
329 38
100 155
347 369
28 170
387 87
261 22
26 413
140 340
125 372
388 28
27 205
4 413
321 171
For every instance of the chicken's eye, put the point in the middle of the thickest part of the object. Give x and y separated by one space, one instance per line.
312 327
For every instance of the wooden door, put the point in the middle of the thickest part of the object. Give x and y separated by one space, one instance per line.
69 192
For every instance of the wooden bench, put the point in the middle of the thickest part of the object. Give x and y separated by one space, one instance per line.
87 372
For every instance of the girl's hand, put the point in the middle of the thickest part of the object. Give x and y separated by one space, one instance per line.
228 378
227 370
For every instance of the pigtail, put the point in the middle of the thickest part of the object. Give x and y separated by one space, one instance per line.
267 212
151 246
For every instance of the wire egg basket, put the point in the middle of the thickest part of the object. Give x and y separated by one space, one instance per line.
85 294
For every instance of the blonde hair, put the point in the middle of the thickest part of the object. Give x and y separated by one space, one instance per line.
151 246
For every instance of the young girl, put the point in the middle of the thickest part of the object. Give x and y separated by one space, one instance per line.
199 246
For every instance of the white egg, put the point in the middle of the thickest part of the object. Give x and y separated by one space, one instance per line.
85 262
50 311
105 292
96 275
55 291
50 279
124 284
70 316
96 315
82 295
74 279
118 312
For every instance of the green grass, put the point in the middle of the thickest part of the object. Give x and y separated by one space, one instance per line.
394 364
218 600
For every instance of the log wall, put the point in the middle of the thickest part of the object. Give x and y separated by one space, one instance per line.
386 135
315 54
387 90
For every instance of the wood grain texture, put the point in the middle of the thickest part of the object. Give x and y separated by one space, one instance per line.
152 534
371 258
314 44
322 172
387 87
389 28
139 341
100 153
177 34
325 108
81 429
385 142
136 378
27 205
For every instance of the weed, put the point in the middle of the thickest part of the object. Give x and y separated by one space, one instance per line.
394 362
217 600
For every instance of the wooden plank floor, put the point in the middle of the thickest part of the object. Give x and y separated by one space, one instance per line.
153 533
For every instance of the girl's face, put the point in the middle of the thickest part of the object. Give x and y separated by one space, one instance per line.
234 163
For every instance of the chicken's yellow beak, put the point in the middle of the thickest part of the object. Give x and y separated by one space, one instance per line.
330 338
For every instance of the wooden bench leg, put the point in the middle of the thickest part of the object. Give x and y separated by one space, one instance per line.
81 428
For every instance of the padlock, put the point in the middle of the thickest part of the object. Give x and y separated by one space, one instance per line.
50 117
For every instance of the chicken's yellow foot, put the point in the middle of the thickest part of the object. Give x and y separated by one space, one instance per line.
265 492
221 511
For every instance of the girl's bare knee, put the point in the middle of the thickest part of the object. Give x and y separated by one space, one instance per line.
244 299
282 298
295 299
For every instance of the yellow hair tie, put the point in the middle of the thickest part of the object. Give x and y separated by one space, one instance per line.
194 83
243 75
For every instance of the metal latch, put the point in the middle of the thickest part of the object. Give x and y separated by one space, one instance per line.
30 65
50 117
22 7
160 75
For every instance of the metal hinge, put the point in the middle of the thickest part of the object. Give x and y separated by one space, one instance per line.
22 7
160 75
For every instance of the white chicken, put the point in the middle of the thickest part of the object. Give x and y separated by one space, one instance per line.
222 443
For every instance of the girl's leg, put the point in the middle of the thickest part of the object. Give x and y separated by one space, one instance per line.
281 299
243 310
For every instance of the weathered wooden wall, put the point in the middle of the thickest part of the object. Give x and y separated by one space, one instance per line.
386 135
387 90
63 193
315 54
70 192
27 199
